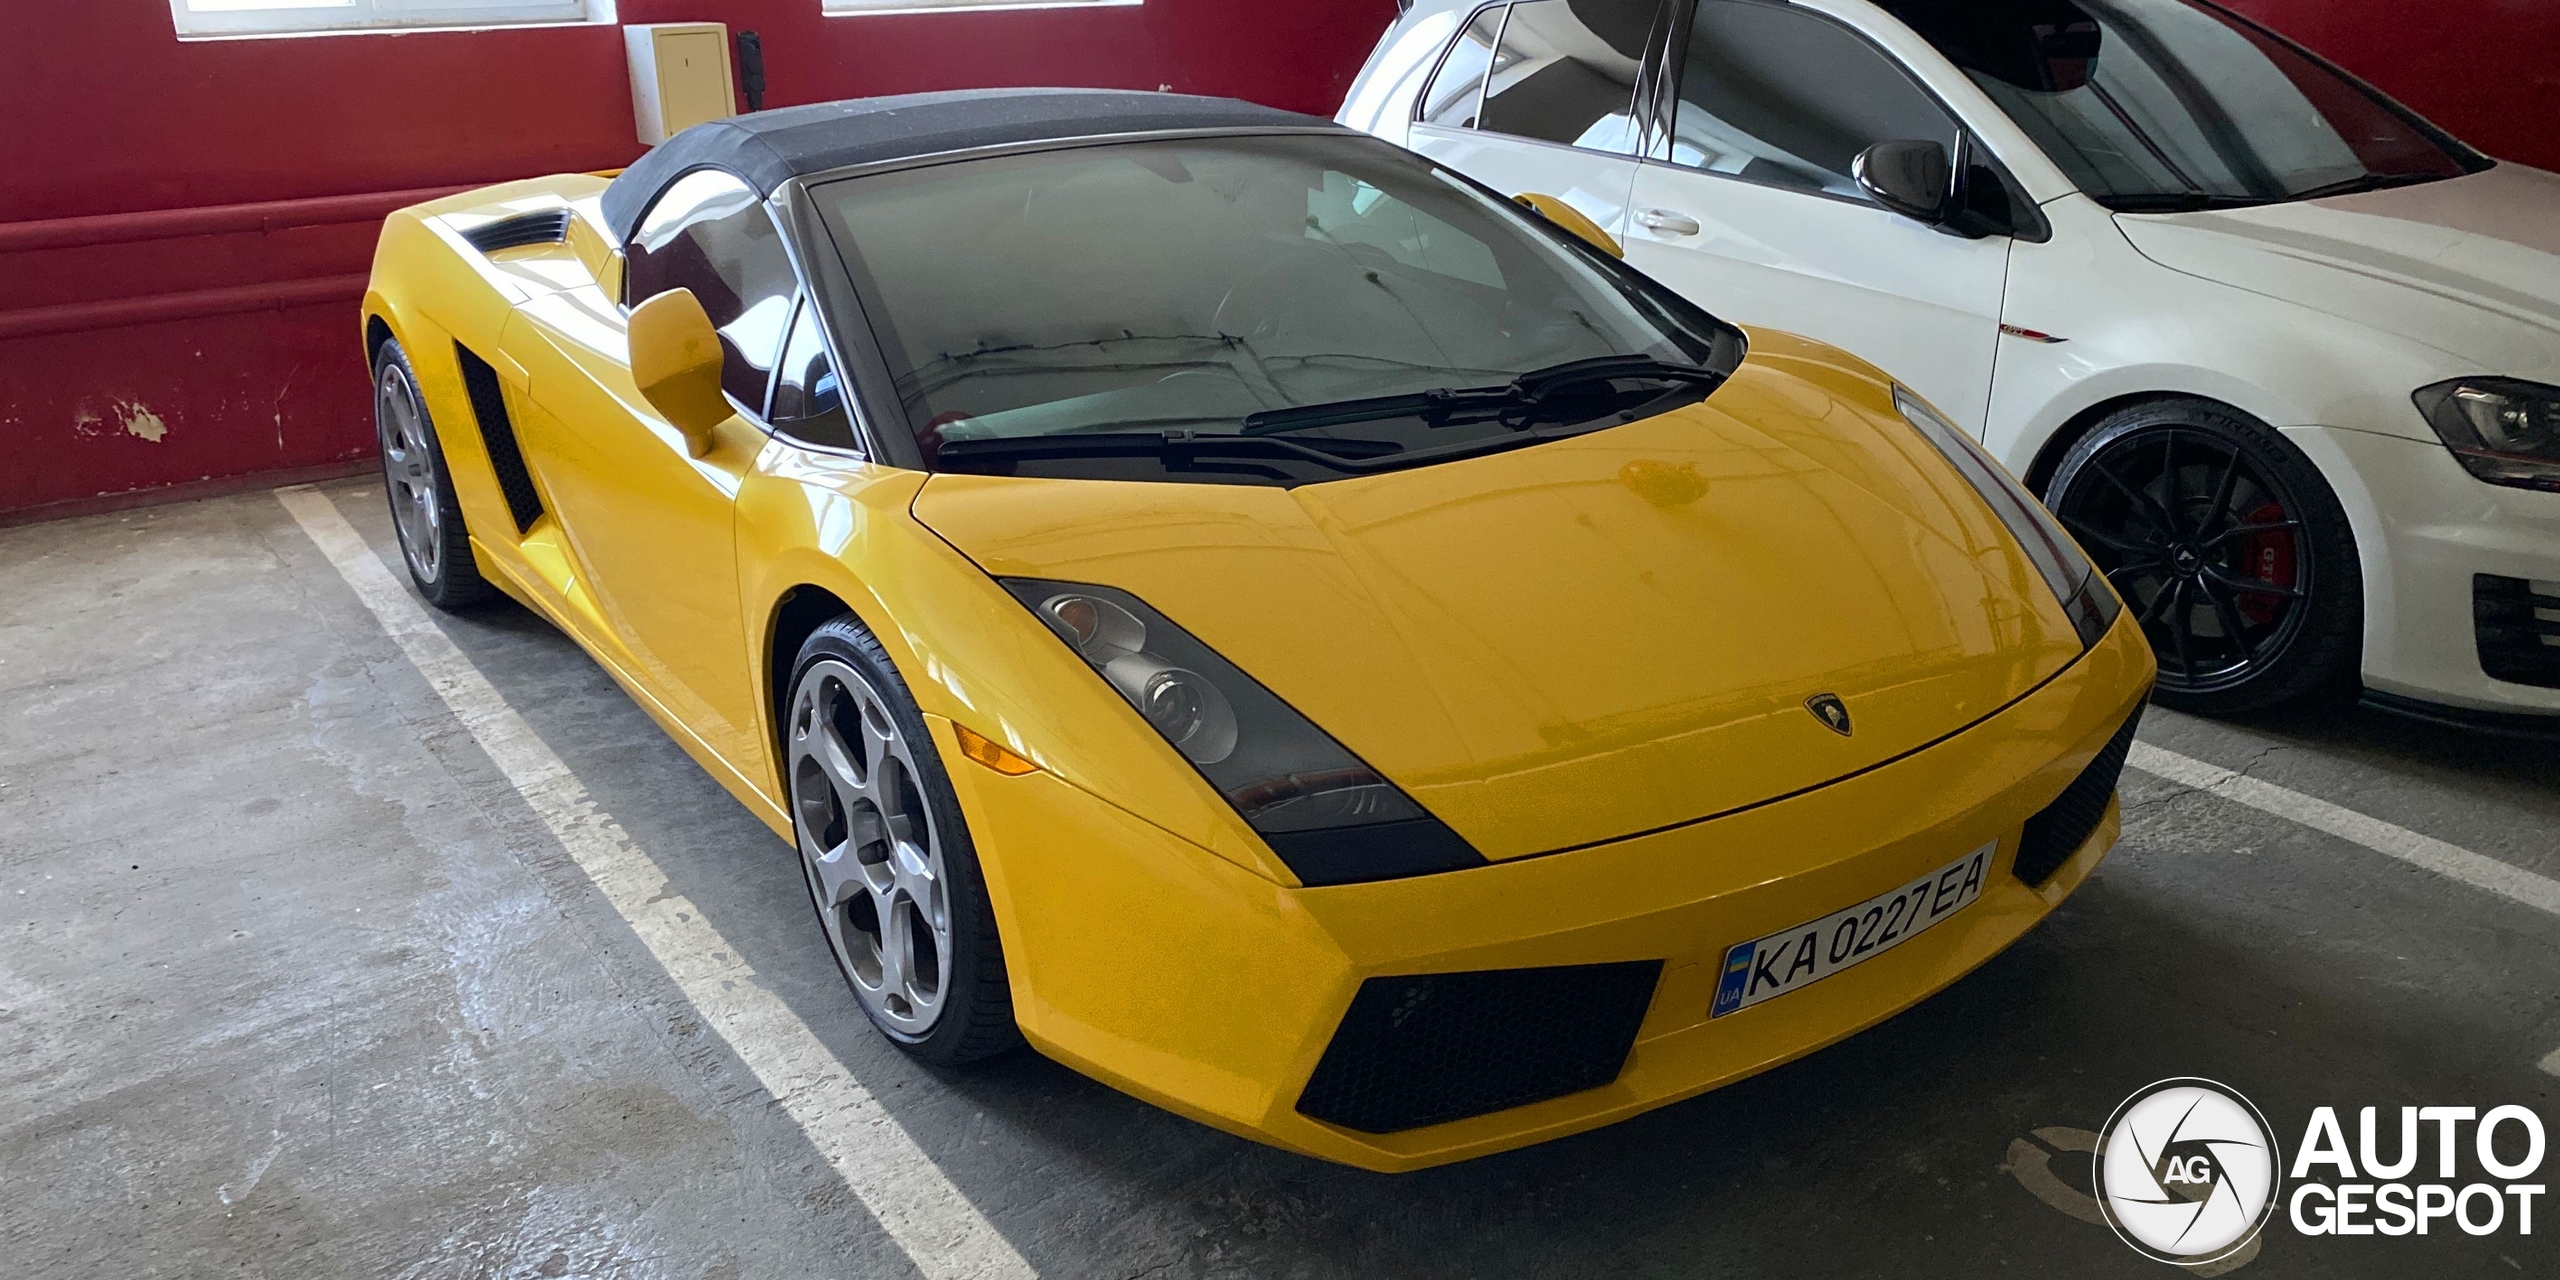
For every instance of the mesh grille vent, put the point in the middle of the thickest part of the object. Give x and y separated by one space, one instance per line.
1431 1048
2517 624
2059 830
498 437
548 227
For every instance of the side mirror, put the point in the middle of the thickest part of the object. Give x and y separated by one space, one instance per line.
1913 178
675 361
1571 219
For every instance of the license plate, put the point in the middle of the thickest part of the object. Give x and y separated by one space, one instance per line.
1793 959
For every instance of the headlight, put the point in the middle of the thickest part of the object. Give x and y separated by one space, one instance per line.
2083 591
2505 430
1331 818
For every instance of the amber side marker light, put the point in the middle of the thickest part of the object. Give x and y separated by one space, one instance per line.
991 753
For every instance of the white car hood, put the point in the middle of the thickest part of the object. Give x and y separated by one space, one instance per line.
2469 266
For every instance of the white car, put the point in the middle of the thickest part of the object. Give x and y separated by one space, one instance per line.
2279 351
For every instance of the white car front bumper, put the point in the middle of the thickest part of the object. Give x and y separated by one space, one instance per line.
2426 529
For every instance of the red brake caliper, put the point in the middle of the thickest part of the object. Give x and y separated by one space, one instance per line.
2267 557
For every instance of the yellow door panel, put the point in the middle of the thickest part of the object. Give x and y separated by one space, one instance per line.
653 527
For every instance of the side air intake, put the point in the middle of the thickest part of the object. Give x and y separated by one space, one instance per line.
498 435
2517 621
2059 829
1431 1048
550 226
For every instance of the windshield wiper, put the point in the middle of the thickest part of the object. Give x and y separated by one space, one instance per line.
1341 455
2179 202
1351 457
2364 182
1440 405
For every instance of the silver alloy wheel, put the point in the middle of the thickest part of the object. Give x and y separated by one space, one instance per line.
872 855
409 472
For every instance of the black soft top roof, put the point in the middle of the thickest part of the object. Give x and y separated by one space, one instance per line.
769 148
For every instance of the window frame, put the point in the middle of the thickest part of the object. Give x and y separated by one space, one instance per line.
1642 104
782 206
1440 63
806 303
288 18
1970 147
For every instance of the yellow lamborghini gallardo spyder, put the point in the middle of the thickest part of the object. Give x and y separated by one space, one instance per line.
1287 631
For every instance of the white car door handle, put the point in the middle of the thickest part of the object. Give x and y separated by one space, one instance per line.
1664 220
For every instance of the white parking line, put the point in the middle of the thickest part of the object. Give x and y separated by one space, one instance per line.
2450 861
926 1215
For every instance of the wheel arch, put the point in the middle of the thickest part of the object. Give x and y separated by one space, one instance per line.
967 651
794 615
2048 456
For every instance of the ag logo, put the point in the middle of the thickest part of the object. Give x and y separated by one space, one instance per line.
1833 713
2186 1171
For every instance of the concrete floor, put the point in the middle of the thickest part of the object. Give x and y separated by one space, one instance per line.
293 983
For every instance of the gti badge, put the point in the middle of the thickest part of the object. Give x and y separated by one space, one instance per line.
1828 709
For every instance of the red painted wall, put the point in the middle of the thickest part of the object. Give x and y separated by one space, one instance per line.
108 113
247 359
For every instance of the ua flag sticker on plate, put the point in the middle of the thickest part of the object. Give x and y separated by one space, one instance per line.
1793 959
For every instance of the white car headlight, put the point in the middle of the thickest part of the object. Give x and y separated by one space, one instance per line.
2083 591
2505 430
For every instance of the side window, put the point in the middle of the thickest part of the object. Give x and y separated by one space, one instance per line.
1451 100
1782 96
808 400
1566 72
709 233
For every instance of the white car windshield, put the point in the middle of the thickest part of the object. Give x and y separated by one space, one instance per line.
2153 105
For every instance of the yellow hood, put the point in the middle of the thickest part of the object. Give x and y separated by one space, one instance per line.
1583 640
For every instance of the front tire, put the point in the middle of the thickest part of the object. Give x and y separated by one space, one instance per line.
890 867
434 542
2226 544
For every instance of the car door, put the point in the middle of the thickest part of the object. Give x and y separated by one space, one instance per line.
653 525
1746 203
1540 96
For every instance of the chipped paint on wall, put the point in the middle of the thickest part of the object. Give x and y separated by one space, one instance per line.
140 421
135 417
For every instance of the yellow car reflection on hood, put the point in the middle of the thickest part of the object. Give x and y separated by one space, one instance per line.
1268 622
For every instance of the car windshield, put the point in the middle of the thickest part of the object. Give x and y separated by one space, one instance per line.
1208 291
2171 104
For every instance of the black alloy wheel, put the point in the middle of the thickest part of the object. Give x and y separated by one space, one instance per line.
2227 546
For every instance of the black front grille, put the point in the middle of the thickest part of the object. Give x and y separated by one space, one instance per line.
498 436
2059 829
1430 1048
548 227
2517 644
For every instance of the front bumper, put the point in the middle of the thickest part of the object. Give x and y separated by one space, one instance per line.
1176 976
2425 529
